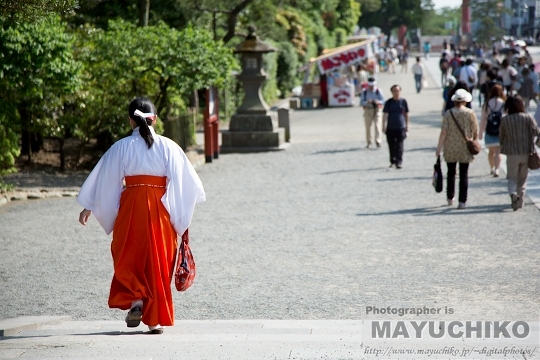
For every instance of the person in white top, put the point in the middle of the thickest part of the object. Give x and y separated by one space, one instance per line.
157 203
418 71
508 75
468 74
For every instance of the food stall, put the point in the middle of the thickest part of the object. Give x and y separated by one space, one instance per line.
337 69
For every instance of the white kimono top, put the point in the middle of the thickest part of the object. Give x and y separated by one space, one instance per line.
130 156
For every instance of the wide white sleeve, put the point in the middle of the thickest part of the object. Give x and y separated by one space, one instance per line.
184 189
102 189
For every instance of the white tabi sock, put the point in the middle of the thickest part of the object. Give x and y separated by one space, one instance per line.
137 303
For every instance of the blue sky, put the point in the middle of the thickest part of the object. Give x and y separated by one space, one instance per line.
443 3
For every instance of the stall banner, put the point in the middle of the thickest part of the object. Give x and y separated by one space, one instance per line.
341 96
344 58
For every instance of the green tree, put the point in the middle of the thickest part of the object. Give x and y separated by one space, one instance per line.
165 64
370 6
436 20
287 68
37 74
489 13
393 14
34 9
9 137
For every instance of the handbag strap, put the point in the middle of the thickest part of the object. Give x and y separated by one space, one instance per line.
459 127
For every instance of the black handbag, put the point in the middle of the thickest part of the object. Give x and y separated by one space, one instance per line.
437 181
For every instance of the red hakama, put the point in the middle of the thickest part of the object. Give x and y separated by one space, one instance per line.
144 249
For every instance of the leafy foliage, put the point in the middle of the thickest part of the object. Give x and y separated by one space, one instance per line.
435 21
287 68
162 63
34 9
489 13
394 13
9 137
37 74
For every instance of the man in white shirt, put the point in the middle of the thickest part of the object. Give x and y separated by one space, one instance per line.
372 101
418 71
468 74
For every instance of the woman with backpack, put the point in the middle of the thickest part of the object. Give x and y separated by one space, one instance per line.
492 113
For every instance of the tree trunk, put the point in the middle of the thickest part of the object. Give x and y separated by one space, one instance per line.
80 154
62 155
30 142
144 11
214 25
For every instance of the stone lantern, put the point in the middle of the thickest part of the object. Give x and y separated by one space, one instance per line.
253 127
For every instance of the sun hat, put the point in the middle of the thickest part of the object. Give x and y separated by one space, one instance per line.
462 95
371 81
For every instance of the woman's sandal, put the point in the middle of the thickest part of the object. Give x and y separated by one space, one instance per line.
133 317
157 331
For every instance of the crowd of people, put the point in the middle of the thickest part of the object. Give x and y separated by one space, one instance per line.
506 85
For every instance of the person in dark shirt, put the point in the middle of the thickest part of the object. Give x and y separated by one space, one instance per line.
396 125
444 65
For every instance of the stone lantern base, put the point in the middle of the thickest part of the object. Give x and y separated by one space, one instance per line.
253 132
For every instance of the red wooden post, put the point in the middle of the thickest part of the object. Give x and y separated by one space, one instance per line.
215 127
211 123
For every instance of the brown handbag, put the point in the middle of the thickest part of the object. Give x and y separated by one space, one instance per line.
473 145
534 161
534 158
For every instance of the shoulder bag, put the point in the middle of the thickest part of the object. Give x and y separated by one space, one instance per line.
473 145
534 159
184 275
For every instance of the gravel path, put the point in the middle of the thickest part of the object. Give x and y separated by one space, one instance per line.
313 232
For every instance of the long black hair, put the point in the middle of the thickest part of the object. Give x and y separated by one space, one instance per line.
146 106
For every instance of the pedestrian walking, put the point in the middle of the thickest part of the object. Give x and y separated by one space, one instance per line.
404 61
427 49
482 76
450 83
455 63
455 146
418 71
390 60
509 75
492 113
492 80
396 125
517 133
372 101
526 90
145 217
468 74
534 77
444 66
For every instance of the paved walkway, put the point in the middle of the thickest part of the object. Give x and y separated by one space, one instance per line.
317 232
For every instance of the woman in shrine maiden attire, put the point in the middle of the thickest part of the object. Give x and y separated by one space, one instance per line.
145 218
